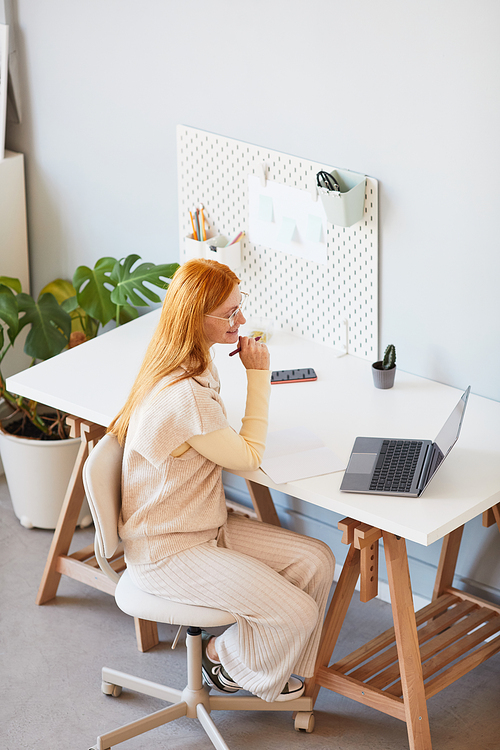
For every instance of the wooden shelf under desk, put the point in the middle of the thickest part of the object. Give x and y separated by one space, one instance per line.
456 632
399 670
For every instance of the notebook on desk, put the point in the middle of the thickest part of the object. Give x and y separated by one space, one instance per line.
383 466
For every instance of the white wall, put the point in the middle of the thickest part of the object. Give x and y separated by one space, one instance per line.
405 92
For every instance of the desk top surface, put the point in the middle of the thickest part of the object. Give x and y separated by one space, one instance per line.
93 380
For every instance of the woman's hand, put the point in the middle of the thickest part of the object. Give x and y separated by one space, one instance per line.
253 354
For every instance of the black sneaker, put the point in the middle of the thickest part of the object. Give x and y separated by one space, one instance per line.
293 689
214 673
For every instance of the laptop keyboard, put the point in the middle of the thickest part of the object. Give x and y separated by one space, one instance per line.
396 465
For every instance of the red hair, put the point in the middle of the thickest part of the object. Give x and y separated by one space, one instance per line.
198 287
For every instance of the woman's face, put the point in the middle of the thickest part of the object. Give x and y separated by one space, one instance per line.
217 328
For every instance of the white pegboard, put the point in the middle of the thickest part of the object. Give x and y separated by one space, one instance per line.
303 297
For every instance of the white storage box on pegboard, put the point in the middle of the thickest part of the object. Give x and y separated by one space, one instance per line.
219 250
345 205
194 248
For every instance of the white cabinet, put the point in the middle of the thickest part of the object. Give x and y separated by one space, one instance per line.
14 240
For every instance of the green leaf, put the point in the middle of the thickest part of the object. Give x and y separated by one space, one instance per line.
70 304
65 294
9 281
127 313
50 325
130 285
9 313
92 292
62 289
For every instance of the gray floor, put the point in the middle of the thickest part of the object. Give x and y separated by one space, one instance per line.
51 657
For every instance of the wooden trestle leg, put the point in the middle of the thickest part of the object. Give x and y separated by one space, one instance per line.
491 516
447 562
59 562
334 620
405 628
263 503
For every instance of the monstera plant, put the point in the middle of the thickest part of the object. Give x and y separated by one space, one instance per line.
66 314
114 289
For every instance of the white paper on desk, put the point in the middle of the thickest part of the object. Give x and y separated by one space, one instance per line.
297 453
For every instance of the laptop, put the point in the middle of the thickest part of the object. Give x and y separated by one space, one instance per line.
381 466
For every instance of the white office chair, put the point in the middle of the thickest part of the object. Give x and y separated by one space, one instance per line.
102 480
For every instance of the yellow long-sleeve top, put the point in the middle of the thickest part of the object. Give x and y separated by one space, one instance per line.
177 443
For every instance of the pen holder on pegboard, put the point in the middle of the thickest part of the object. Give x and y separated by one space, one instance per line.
217 249
346 206
194 248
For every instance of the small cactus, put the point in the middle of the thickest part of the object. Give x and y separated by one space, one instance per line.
389 360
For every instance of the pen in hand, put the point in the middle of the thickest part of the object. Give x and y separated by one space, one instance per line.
238 350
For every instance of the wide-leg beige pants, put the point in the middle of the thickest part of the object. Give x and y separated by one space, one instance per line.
276 584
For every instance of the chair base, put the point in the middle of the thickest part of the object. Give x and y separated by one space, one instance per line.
195 702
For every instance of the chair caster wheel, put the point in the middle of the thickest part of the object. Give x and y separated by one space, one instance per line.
304 721
109 689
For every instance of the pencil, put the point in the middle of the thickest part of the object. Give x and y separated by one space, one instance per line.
195 236
236 239
197 219
203 232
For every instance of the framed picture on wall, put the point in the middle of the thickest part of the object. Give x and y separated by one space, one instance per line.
4 79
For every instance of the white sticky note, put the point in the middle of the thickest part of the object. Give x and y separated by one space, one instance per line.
314 232
265 208
287 229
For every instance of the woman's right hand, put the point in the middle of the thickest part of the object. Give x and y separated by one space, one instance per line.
253 354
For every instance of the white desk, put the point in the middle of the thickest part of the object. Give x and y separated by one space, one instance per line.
92 382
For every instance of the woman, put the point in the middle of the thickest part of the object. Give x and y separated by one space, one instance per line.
178 538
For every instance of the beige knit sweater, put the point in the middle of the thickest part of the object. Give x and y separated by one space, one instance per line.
173 502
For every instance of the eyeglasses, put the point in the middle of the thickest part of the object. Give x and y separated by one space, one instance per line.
234 314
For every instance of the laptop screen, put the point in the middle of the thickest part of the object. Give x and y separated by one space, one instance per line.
451 429
445 441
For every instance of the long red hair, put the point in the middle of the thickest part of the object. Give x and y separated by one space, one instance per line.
198 287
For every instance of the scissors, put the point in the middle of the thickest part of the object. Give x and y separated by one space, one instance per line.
327 181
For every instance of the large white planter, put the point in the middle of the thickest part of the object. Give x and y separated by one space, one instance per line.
38 474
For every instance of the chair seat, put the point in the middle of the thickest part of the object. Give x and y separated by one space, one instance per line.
137 603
